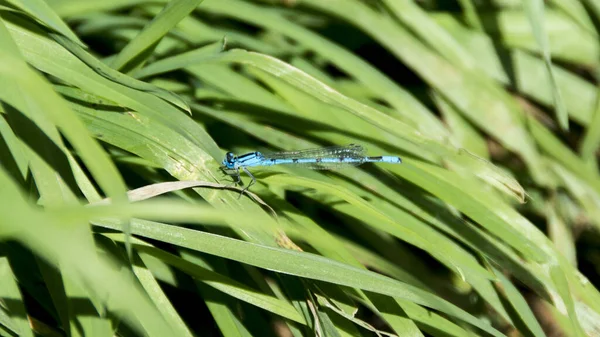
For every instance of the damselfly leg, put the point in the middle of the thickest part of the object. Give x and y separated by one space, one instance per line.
252 181
238 179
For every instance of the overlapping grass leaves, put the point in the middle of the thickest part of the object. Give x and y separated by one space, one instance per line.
265 101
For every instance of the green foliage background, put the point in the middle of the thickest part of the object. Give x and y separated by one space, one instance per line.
491 104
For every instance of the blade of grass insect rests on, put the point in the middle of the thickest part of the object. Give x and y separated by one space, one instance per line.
535 12
182 60
286 141
330 122
137 50
42 12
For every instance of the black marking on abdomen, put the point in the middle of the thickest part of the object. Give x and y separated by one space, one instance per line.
376 158
295 160
319 160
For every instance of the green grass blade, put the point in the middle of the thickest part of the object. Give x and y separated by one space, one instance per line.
47 100
160 300
136 51
520 305
118 77
479 98
47 236
182 60
527 72
577 11
15 306
427 29
535 12
591 140
42 12
314 266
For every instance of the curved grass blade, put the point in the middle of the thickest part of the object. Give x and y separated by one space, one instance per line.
42 12
13 314
313 266
322 92
55 108
47 236
591 140
118 77
182 60
140 47
535 12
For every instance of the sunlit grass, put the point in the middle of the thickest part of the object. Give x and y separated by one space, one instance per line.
480 231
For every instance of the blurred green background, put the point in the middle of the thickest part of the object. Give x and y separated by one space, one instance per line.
116 219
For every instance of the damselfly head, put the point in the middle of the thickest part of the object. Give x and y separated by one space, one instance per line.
229 161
